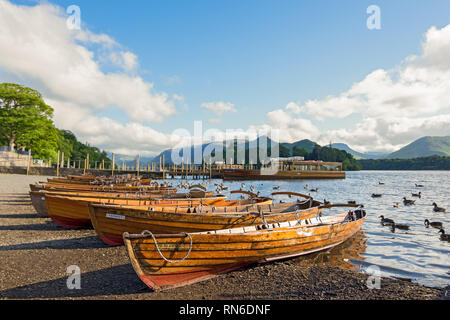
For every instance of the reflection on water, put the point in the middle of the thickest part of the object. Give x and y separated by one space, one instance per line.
339 256
417 254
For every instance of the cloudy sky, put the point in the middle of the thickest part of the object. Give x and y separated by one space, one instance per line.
136 75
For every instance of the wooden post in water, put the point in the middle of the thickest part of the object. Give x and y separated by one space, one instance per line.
137 165
57 165
210 173
113 165
164 167
29 162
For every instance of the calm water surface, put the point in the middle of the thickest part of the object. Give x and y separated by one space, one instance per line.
417 254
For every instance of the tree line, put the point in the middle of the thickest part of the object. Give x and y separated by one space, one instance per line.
421 163
325 153
26 123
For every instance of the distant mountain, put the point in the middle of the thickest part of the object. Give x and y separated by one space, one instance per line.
130 161
343 146
359 155
423 147
307 144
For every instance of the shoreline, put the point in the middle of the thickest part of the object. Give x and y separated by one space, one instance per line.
35 255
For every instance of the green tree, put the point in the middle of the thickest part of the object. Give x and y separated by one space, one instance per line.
26 120
299 152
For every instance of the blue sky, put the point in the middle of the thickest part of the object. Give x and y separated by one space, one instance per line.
257 55
260 55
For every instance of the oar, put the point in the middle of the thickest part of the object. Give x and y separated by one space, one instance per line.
291 194
251 194
327 206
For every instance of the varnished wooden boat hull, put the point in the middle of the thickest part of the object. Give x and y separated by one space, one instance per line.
215 252
96 188
73 212
111 222
38 202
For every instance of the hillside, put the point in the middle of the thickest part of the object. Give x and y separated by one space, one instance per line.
307 144
359 155
343 146
423 147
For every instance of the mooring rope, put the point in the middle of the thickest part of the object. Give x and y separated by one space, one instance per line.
159 251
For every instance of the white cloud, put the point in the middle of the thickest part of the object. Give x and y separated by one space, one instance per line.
64 65
396 106
219 107
124 59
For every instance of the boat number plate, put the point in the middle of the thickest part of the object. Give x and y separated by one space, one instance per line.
115 216
172 246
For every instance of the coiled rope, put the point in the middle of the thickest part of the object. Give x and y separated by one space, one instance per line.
159 251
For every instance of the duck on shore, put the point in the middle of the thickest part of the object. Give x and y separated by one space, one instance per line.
434 224
437 209
444 236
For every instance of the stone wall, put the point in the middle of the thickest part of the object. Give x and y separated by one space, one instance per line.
13 159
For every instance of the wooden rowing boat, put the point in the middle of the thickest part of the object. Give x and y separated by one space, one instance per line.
110 222
73 212
107 188
99 181
39 203
167 261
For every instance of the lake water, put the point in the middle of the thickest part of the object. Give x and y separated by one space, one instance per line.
417 254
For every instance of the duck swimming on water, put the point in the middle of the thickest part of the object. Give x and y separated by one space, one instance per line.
433 224
444 236
419 195
396 205
386 220
407 202
376 195
399 226
437 209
